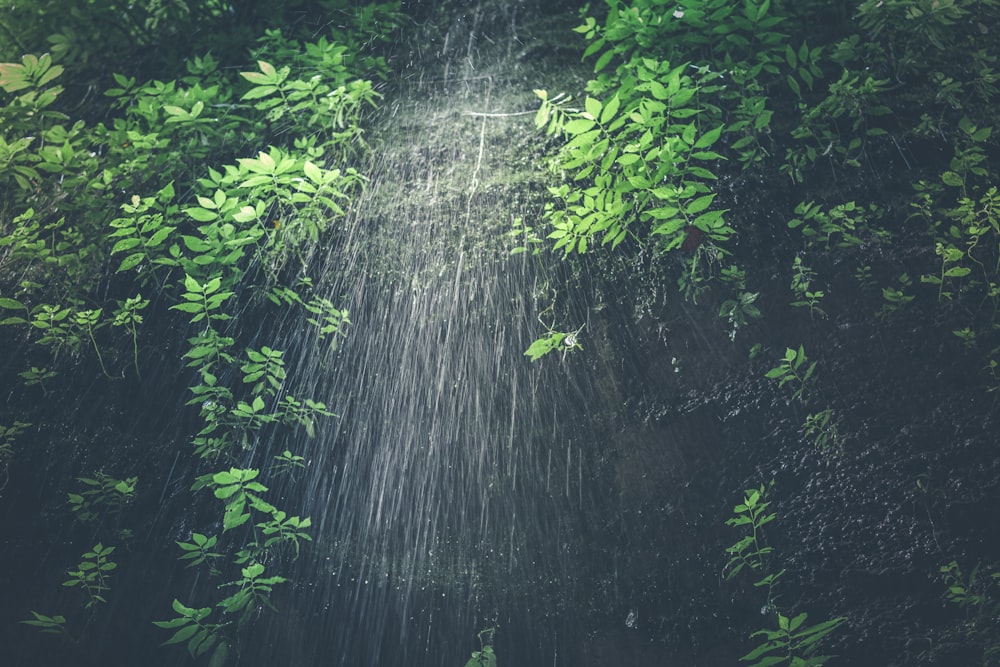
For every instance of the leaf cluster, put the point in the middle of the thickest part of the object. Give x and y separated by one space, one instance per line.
90 212
101 494
793 368
189 626
8 435
92 574
50 625
792 642
485 656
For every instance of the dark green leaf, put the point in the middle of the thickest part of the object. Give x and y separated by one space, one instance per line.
182 635
219 656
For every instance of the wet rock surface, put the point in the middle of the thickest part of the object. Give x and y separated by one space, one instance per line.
580 503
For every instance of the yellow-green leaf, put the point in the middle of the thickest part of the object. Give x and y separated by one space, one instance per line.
201 215
51 74
267 68
313 172
610 109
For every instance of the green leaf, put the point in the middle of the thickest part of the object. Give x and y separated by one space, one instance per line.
256 78
182 635
267 68
254 181
216 202
11 304
701 172
768 661
658 90
194 646
709 138
225 478
762 10
610 109
257 91
159 236
245 214
187 307
688 135
794 85
313 172
51 74
790 56
225 492
234 519
253 571
603 60
951 178
699 204
219 656
578 126
543 346
195 244
253 377
200 214
125 244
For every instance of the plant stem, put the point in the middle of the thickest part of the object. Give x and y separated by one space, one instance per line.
100 359
135 353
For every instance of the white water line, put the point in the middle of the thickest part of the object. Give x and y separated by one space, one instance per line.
500 115
479 158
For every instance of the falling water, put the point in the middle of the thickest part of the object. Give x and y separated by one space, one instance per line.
578 503
460 486
444 496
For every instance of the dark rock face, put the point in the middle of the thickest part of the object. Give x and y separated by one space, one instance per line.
617 551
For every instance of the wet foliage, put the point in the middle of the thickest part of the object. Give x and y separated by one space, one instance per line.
341 332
